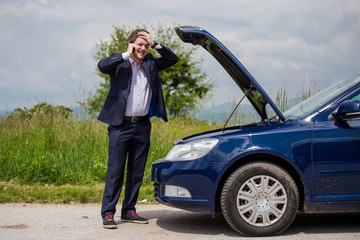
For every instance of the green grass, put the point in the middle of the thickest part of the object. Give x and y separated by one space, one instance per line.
17 193
49 158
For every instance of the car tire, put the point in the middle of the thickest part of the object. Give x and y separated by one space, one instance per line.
259 199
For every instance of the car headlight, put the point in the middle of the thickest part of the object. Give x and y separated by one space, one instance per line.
192 150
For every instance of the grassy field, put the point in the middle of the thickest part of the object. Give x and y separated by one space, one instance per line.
49 157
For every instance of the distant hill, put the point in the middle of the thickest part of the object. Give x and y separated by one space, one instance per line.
213 114
220 113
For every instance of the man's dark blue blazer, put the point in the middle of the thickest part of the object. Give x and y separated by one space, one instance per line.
120 73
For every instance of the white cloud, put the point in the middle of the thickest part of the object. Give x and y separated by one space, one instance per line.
47 44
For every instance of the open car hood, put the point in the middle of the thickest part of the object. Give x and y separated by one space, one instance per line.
250 87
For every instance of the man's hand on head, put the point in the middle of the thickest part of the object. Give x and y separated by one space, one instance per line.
147 37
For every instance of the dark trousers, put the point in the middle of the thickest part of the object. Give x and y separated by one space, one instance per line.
132 141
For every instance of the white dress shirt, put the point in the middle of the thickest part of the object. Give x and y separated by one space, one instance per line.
139 98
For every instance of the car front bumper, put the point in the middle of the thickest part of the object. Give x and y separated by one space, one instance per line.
199 178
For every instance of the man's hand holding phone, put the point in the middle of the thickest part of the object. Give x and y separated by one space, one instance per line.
131 49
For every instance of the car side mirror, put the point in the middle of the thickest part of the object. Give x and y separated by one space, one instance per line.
347 110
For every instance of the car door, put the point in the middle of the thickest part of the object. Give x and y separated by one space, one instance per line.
336 157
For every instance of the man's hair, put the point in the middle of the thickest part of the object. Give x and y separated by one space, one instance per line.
134 34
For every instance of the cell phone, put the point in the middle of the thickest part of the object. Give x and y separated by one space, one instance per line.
133 48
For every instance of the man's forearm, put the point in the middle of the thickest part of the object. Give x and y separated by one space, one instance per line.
109 64
168 58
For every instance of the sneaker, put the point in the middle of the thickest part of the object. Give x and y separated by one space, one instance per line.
109 222
134 218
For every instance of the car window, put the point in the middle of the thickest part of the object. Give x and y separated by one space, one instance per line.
315 102
356 97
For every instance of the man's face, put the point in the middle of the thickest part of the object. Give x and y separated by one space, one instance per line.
141 48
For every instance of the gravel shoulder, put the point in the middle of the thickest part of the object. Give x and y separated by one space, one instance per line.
83 221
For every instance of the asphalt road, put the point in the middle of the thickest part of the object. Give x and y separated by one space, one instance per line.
77 221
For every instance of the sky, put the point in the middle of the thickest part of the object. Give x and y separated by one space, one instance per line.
47 47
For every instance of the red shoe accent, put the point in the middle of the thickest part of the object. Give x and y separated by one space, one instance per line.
133 214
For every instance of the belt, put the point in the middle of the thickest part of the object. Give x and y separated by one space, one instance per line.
136 119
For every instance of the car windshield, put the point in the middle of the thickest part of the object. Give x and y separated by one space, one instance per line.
315 102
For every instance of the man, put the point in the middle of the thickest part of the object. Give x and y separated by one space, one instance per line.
135 96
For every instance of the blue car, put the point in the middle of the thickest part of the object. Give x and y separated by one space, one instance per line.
260 175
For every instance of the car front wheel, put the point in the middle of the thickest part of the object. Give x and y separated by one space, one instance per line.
259 199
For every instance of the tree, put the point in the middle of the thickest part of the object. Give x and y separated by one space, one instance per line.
184 84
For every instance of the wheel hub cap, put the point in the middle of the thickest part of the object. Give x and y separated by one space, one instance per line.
261 200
